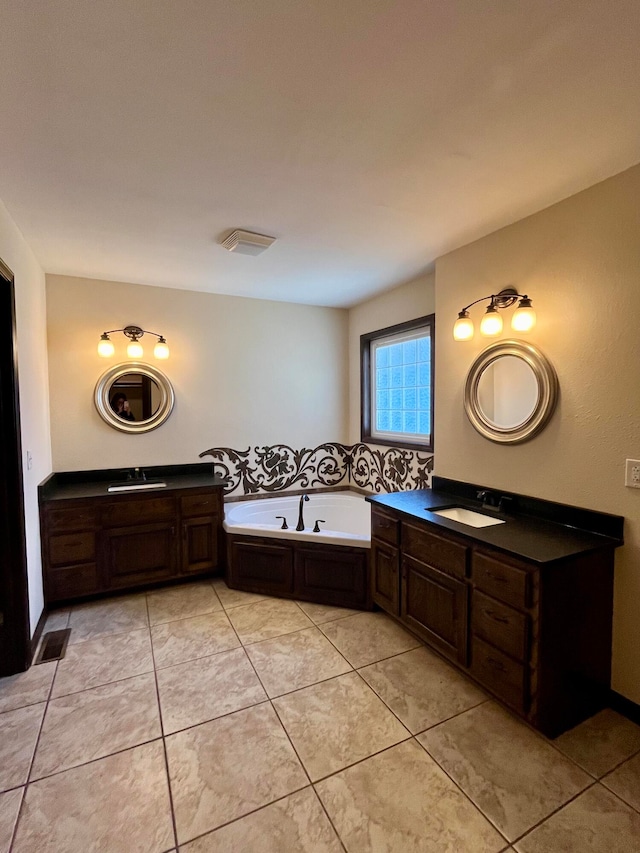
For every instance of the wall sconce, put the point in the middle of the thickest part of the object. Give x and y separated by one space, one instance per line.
134 349
523 320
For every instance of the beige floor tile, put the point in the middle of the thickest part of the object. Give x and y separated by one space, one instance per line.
203 689
269 618
596 821
229 767
9 806
508 771
368 637
195 637
231 598
336 723
181 602
320 613
296 660
119 803
296 823
625 782
57 620
400 801
26 688
602 742
421 688
103 618
18 735
97 722
101 661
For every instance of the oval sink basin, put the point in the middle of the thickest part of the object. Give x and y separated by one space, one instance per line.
467 516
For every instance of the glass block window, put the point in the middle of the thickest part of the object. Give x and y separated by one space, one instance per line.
397 379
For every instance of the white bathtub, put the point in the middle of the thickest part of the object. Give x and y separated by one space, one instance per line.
347 518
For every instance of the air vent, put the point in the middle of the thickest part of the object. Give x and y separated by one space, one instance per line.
247 243
53 646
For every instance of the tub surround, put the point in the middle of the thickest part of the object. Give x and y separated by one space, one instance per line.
524 607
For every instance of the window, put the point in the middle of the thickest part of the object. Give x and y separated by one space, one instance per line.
397 384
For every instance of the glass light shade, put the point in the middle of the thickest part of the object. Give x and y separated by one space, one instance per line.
491 323
463 327
161 350
524 318
105 348
134 350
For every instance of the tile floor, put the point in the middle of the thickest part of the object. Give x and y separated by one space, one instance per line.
206 720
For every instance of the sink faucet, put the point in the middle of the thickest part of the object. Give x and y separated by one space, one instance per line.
300 525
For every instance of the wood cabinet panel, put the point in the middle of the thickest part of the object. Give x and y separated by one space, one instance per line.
500 674
201 504
72 581
140 554
67 548
260 565
335 576
385 576
138 511
500 625
502 580
73 518
435 550
384 527
199 544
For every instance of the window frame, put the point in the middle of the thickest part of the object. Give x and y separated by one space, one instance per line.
367 402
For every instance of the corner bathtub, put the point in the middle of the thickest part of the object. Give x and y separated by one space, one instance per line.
347 518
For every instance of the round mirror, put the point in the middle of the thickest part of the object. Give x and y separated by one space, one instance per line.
134 397
511 392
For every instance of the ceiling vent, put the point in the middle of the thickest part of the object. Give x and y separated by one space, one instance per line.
247 243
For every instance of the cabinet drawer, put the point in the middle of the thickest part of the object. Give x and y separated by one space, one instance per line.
191 505
72 581
501 580
72 518
71 548
500 625
500 674
138 511
438 552
384 527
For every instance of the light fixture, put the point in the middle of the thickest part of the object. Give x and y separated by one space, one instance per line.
523 320
134 349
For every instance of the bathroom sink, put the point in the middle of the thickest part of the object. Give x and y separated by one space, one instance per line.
467 516
141 485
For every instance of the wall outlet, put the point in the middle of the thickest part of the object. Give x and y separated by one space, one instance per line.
632 473
29 460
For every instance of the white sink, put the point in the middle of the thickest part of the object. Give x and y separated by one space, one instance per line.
136 487
467 516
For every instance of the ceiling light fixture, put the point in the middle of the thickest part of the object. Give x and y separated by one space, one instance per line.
523 320
247 242
134 349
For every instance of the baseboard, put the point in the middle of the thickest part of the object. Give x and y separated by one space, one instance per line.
624 706
35 640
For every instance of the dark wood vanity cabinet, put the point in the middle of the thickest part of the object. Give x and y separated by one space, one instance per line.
97 544
537 636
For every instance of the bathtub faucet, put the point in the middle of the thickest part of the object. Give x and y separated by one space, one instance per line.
300 525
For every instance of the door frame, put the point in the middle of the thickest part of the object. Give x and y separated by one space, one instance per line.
15 633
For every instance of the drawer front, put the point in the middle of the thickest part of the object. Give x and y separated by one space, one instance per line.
438 552
500 674
68 548
138 512
500 625
76 518
384 527
72 582
192 505
501 580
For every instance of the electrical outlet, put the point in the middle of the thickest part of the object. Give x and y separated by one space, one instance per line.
29 460
632 473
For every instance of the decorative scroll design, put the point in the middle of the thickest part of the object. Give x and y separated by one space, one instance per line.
279 467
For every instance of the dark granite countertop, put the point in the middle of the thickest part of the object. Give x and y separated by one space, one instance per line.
548 532
72 485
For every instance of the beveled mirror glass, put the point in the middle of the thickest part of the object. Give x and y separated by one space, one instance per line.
134 397
511 392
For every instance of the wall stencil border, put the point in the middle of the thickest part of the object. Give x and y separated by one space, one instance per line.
278 467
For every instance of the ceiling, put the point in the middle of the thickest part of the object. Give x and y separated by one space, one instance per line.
368 136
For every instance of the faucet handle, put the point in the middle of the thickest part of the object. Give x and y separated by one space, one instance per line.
285 526
316 529
482 495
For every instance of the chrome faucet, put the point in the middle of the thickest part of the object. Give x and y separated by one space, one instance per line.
300 525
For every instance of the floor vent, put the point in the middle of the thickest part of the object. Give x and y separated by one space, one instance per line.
53 646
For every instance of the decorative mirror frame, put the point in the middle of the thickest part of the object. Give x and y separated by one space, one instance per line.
103 387
548 387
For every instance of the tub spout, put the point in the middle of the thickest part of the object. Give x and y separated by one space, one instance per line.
300 525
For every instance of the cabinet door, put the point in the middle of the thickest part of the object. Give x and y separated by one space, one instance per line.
199 544
434 605
332 576
260 566
141 554
385 577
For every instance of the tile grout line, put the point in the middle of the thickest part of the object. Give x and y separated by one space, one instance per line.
555 811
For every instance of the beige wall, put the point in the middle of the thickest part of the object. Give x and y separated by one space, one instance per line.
580 263
407 302
33 389
245 372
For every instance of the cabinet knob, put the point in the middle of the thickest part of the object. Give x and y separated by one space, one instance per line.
501 619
